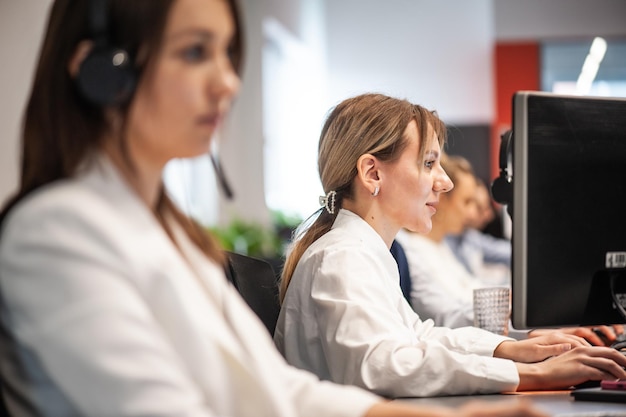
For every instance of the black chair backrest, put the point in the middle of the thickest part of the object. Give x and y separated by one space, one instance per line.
257 283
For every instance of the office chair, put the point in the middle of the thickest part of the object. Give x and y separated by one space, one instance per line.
256 282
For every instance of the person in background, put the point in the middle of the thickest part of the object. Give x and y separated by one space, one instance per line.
343 314
113 301
482 254
441 283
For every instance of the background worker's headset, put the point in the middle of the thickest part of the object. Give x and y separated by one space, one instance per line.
107 76
502 187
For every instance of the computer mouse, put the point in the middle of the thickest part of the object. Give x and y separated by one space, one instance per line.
619 345
620 339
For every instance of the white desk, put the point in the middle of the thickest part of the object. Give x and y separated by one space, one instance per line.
556 404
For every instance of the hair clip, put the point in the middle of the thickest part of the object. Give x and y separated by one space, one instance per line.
328 201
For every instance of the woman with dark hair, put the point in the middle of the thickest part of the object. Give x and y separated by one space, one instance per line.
113 301
343 314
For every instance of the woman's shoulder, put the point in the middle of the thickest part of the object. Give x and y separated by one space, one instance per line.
336 241
65 198
337 251
59 196
65 209
55 219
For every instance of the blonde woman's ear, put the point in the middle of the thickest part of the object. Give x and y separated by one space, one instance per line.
368 172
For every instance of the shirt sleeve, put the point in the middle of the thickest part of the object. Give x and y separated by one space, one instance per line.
368 342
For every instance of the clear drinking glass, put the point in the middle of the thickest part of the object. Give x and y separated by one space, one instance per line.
492 309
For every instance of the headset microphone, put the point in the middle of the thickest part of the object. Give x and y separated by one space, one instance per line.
221 177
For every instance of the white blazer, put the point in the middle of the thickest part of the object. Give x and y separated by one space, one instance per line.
110 319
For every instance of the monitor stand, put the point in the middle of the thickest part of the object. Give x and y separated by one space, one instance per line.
606 287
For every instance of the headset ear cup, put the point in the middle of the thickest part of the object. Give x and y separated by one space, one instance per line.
106 77
502 189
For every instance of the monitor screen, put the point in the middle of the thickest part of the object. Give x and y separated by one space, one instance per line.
569 210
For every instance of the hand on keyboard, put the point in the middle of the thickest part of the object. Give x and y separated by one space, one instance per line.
610 335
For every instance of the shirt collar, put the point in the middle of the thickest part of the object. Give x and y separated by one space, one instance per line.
361 230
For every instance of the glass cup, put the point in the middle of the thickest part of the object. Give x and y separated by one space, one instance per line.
492 309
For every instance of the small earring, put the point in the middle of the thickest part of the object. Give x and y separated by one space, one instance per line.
376 190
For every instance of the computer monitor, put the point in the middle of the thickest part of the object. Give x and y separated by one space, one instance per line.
569 210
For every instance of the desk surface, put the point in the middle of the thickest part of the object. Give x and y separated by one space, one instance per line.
555 403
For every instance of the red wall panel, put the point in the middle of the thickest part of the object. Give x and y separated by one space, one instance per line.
517 68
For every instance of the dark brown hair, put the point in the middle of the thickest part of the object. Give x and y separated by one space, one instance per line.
60 128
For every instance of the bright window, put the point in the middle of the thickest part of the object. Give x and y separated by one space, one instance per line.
562 61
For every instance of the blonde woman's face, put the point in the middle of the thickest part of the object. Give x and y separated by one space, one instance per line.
416 183
184 97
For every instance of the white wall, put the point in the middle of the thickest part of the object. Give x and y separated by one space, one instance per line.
549 19
242 150
21 27
437 53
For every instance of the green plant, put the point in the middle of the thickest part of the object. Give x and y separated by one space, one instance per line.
284 225
253 239
248 238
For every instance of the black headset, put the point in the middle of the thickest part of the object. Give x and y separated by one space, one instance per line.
502 187
106 76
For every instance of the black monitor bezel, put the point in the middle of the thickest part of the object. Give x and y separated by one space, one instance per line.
522 301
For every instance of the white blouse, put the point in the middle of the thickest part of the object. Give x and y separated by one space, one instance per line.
345 319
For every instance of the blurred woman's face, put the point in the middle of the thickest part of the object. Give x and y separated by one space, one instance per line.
459 206
184 96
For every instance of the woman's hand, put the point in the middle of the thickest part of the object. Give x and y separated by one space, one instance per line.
536 349
578 365
598 335
506 408
518 408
